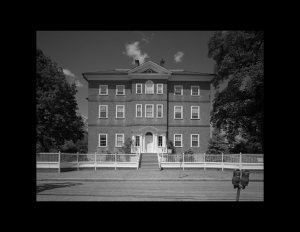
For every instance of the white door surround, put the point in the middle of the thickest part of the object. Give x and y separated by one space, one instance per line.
149 138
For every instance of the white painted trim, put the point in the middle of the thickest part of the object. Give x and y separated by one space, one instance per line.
180 91
106 106
162 110
198 112
180 140
162 88
180 110
152 110
147 65
198 140
106 90
105 139
123 90
116 140
198 90
136 106
123 106
137 88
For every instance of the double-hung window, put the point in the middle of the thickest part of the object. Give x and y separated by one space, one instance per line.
178 90
194 140
178 112
159 88
138 110
195 90
119 140
139 88
149 110
195 112
103 111
177 140
159 141
120 111
137 140
159 111
120 90
102 140
103 90
149 87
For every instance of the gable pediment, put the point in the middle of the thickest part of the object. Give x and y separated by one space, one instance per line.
149 67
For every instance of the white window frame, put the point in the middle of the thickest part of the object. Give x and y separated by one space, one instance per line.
180 110
106 90
152 110
149 82
123 90
198 90
137 136
194 140
136 107
106 106
99 144
198 112
123 106
162 88
136 88
161 140
116 141
162 110
180 140
181 90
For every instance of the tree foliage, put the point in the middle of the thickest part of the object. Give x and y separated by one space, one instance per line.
56 118
216 144
239 108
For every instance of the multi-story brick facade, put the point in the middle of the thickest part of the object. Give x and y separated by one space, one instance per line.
148 104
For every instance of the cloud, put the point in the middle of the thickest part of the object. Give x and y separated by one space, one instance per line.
72 77
145 37
133 51
178 56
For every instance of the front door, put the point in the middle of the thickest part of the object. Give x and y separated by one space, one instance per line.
149 143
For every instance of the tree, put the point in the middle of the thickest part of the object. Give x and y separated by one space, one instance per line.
56 118
216 143
126 148
239 57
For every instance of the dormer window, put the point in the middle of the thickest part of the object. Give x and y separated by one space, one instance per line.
149 87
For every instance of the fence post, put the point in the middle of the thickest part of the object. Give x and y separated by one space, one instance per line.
95 161
183 160
59 161
222 162
240 160
115 161
77 161
204 162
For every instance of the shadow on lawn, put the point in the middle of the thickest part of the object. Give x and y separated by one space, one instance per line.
43 187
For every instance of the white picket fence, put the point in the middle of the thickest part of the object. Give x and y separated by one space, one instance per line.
68 160
222 161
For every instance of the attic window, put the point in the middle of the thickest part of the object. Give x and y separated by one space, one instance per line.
149 71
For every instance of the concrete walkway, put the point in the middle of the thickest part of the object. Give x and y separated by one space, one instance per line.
146 175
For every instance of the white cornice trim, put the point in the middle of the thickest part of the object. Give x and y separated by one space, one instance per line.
149 64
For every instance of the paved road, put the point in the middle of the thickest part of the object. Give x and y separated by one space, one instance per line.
146 191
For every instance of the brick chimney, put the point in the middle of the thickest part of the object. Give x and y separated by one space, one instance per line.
137 62
162 62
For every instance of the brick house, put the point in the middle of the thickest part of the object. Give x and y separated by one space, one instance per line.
148 104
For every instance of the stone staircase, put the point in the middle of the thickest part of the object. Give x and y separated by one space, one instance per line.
148 161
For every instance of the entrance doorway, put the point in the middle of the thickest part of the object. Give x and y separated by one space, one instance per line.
149 142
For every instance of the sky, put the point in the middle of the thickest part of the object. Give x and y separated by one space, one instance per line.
78 52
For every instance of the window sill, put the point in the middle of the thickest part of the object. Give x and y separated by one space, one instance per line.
195 118
178 118
120 94
120 118
103 94
103 118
